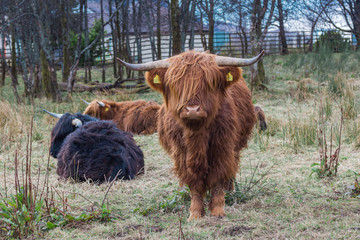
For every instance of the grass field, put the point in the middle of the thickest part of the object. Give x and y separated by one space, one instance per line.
277 198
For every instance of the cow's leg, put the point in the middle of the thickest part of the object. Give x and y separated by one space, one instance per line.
197 204
217 202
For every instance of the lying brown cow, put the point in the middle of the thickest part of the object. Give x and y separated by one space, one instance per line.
139 117
206 119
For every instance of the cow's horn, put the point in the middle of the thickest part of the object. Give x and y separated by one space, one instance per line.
101 104
238 62
76 122
57 115
85 102
146 66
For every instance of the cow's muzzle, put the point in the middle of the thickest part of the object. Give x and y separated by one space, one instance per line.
193 113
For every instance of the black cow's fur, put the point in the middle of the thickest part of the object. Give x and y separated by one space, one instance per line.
98 150
63 128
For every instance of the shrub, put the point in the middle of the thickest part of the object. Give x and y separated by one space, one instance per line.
332 40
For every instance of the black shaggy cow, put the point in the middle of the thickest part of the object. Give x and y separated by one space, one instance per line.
67 124
87 148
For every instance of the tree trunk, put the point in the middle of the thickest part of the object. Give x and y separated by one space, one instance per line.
125 35
13 54
38 92
113 39
211 27
138 35
3 61
13 81
310 49
257 69
150 30
158 30
74 67
87 63
102 41
65 40
118 36
45 75
46 57
284 48
175 27
3 73
192 27
37 81
23 61
170 29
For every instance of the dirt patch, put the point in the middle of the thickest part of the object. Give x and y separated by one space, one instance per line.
237 230
78 224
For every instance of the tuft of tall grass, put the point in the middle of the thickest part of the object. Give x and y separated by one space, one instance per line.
299 132
12 118
253 184
352 133
304 88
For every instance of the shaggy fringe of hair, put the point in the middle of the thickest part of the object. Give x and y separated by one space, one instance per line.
93 109
199 68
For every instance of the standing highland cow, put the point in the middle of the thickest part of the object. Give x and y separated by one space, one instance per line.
139 117
87 148
206 119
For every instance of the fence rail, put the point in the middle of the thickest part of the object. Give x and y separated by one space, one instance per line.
229 44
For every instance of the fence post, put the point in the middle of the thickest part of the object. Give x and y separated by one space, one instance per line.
230 45
304 41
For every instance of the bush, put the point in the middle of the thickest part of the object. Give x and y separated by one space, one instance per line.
333 40
95 50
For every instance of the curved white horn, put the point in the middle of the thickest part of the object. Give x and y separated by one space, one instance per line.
57 115
85 101
238 62
146 66
101 104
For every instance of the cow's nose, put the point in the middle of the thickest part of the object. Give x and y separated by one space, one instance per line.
193 112
193 109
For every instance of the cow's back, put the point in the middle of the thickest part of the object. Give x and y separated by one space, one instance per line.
245 112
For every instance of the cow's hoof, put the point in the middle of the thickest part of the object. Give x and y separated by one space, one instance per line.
194 216
218 212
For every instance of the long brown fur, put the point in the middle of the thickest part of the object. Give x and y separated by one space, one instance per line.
261 118
138 117
205 152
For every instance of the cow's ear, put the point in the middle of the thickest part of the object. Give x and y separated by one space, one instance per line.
155 78
230 76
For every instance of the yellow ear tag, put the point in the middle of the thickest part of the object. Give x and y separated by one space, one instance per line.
106 109
157 79
229 77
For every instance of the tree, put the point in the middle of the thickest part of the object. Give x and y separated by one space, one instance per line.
284 48
261 11
65 40
208 6
350 12
312 10
237 12
175 27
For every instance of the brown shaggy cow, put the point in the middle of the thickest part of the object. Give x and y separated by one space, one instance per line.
139 117
206 119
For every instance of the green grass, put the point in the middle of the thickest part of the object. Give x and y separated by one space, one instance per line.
291 204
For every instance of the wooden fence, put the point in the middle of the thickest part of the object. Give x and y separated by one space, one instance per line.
228 44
